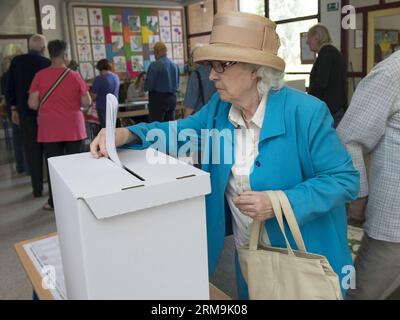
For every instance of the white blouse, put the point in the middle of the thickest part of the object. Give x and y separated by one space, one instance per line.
246 151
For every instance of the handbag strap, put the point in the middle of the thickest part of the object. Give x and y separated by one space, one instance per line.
279 202
54 86
291 220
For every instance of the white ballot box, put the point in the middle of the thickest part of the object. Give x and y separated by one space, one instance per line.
134 233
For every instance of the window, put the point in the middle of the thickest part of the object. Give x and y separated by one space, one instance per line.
293 17
253 6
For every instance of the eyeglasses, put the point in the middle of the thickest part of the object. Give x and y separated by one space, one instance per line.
220 66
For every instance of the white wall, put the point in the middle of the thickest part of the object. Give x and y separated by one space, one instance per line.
332 20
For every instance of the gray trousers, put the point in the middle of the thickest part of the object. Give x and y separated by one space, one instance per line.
377 270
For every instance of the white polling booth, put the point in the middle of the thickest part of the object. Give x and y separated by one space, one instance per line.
131 234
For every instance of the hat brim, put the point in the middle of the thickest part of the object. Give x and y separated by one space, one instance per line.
227 52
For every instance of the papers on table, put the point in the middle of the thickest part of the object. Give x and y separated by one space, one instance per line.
46 257
111 120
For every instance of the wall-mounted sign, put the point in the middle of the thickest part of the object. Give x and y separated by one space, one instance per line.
333 6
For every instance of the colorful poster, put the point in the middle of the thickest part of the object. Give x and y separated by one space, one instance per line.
164 18
99 52
134 24
169 50
177 35
115 23
84 53
178 50
152 41
86 70
137 63
176 18
97 34
165 34
117 43
80 17
82 35
152 24
119 64
136 43
152 58
95 17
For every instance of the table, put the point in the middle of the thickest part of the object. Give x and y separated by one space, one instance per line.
36 278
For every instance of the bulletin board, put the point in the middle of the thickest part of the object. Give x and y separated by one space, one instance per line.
125 36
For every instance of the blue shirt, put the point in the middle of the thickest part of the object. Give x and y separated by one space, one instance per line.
195 97
162 76
103 85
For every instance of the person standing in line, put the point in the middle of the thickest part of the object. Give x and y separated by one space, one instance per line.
59 94
372 126
105 83
21 73
162 83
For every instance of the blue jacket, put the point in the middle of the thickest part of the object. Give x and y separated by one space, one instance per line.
299 153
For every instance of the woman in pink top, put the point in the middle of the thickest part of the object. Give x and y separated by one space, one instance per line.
61 121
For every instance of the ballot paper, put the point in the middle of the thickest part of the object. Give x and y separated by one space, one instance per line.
111 120
45 255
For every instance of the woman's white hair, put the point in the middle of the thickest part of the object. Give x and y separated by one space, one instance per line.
269 79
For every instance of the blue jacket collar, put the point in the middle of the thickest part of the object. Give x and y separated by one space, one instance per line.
274 120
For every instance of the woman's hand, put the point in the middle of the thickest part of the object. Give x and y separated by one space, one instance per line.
122 136
256 205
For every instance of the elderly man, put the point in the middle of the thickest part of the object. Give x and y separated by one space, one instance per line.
162 83
21 73
372 125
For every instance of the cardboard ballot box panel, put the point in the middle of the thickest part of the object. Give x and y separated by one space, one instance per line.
131 236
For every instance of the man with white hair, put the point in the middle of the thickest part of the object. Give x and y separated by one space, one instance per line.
22 70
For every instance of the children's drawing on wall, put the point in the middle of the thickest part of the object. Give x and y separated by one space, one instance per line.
152 24
86 70
84 53
165 34
97 35
80 17
176 18
169 50
152 41
134 24
117 43
177 35
119 64
137 63
95 17
115 23
99 52
164 18
178 50
82 35
136 43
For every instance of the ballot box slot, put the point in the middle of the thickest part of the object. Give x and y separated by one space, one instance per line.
185 177
128 188
134 174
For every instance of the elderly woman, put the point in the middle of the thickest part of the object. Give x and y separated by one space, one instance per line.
282 140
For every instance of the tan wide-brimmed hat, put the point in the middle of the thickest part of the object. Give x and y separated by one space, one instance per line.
243 37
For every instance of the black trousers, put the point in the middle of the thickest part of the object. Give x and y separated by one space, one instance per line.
162 106
56 149
33 152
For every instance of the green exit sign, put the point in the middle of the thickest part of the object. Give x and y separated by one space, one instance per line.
333 6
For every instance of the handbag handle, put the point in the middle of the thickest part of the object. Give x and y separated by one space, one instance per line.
279 201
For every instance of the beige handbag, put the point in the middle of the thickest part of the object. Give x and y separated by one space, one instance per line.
283 274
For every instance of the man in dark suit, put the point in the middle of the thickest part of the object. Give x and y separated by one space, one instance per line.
22 70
